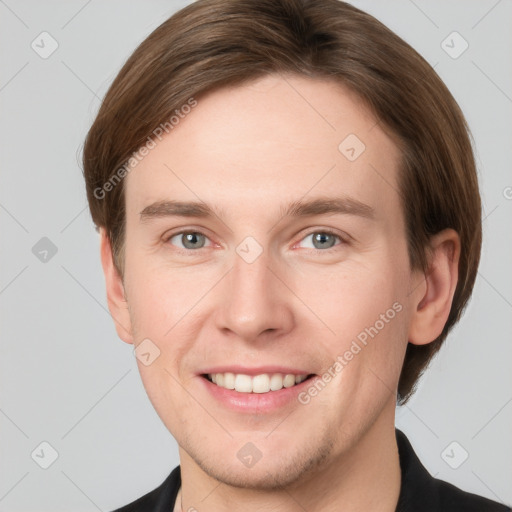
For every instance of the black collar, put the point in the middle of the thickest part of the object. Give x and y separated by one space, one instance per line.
419 491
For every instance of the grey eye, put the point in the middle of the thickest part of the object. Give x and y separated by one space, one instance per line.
321 240
189 240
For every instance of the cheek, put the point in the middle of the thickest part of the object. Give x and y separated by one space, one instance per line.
167 306
365 309
353 296
159 296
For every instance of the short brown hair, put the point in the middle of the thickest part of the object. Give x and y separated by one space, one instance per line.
215 43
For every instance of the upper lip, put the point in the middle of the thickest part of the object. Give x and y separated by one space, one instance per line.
255 370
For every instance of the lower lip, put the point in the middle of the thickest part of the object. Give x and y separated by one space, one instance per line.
256 402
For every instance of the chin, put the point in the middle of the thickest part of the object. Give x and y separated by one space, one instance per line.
283 468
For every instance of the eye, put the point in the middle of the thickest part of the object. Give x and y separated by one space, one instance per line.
189 240
321 240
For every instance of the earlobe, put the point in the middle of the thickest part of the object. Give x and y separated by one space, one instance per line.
433 302
116 298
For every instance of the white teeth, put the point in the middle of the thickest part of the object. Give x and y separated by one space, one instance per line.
262 383
243 383
289 381
276 382
229 380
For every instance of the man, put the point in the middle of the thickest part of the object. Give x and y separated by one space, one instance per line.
290 226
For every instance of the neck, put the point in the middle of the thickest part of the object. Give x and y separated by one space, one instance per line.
365 477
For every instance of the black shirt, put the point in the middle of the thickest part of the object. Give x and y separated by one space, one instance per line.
419 492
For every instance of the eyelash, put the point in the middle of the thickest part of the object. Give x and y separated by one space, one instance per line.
322 231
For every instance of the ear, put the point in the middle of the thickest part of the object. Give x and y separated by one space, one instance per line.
115 290
433 300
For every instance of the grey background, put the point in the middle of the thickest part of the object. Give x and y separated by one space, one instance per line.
65 376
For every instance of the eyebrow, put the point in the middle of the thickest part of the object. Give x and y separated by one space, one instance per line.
300 208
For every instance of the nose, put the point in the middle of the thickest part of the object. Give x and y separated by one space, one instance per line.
256 304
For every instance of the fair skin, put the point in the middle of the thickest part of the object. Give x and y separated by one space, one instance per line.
248 152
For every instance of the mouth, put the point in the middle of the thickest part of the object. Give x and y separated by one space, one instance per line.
258 384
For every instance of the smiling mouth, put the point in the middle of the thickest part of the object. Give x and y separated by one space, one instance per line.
263 383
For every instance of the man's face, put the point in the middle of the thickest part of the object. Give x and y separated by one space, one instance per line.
261 292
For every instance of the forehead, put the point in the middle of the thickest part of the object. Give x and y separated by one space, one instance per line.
280 137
